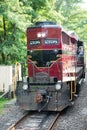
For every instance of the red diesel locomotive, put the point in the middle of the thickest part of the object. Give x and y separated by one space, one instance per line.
56 68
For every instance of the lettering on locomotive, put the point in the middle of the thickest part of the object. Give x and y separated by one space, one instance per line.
51 41
34 42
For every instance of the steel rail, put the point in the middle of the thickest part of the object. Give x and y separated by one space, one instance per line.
13 126
53 122
49 127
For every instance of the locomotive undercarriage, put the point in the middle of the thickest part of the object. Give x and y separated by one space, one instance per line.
42 99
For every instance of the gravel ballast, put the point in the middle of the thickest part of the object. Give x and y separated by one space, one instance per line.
75 117
10 115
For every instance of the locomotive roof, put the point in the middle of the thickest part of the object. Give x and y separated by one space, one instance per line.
46 24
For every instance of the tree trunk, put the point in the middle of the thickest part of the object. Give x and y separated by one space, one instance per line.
14 31
4 28
3 58
4 37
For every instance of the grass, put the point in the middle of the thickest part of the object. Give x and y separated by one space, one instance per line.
3 101
1 93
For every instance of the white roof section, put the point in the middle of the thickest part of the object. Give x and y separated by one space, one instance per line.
73 34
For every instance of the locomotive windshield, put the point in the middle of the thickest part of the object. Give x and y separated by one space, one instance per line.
43 58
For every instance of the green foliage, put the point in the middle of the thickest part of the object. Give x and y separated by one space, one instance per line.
17 15
3 101
12 32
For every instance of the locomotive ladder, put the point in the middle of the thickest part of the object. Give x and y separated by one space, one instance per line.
72 91
15 77
72 80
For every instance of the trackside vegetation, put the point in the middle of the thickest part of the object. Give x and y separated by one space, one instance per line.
3 101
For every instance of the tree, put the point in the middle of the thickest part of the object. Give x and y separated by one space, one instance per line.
12 32
17 15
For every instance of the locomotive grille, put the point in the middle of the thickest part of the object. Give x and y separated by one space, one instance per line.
41 77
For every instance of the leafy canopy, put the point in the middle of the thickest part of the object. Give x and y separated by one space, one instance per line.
17 15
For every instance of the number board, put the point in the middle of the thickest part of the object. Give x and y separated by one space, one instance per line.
34 42
51 41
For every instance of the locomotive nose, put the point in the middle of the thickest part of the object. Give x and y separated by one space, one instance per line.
41 96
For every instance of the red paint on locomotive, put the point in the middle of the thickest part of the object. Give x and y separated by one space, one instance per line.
66 59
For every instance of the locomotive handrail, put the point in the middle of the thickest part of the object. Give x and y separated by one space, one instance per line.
14 79
53 61
34 62
29 56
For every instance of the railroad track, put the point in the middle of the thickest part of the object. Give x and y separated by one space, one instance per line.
36 121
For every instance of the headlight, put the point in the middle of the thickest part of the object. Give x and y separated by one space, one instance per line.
25 86
39 35
58 86
43 34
